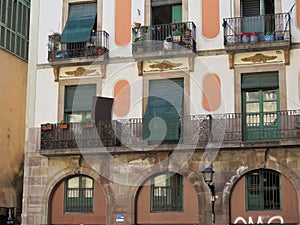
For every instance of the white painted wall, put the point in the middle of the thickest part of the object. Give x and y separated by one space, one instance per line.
292 81
129 72
46 97
203 67
50 22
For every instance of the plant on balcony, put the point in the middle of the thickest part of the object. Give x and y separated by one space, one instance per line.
46 126
269 36
53 45
245 37
63 125
87 123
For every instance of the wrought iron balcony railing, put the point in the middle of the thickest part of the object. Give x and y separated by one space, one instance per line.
197 130
257 29
173 36
97 46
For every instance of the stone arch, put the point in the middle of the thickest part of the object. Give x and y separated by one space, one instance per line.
55 180
194 178
271 165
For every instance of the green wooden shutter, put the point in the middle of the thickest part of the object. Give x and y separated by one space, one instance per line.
176 13
260 80
252 8
164 109
78 98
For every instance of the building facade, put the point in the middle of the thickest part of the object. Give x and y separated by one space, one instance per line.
129 100
14 34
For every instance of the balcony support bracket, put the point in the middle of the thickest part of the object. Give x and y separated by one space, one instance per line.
56 73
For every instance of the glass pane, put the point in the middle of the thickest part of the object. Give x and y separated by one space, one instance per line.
252 107
73 182
270 119
160 181
253 120
270 106
252 96
75 118
269 95
87 182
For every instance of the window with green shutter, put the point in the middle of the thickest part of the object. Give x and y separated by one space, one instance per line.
263 190
253 16
260 96
78 102
79 195
166 11
162 119
167 193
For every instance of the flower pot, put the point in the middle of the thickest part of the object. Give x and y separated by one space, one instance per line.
137 25
269 37
87 125
99 51
253 37
63 126
47 127
187 33
245 37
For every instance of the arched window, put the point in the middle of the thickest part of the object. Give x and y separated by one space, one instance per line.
79 195
263 190
167 193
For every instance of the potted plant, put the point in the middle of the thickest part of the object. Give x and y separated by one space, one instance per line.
269 37
46 126
63 125
253 37
53 45
245 37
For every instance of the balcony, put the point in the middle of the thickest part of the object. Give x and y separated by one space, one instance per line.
68 53
257 33
164 39
227 130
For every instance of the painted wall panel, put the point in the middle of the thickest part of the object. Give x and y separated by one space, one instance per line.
211 98
123 22
122 98
210 18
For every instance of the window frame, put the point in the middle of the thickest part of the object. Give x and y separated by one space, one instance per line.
89 207
169 194
261 192
148 12
63 82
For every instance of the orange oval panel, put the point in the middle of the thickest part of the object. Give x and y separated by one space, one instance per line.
123 22
122 98
211 96
298 12
210 18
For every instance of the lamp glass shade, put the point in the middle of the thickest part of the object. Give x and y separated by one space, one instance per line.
208 174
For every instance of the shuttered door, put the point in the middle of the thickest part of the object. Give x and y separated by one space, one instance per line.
252 8
79 98
261 117
176 13
164 110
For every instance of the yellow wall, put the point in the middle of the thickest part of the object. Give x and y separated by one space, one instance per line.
12 127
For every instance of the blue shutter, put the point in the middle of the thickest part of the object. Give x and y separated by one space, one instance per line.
80 22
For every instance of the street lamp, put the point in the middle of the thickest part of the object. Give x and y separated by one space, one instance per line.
208 174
